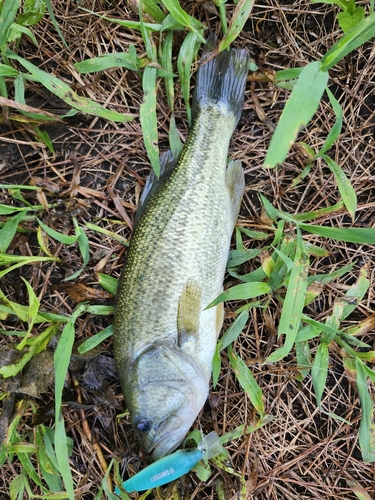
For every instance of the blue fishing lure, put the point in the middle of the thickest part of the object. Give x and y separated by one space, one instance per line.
173 466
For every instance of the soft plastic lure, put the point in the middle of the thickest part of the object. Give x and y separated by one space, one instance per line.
173 466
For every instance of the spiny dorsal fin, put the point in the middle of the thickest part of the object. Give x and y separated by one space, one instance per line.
167 164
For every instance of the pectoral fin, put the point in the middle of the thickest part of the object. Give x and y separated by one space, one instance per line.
189 311
236 185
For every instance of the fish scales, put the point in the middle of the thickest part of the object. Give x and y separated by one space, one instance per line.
164 339
191 208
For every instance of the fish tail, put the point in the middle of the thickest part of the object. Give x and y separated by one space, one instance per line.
221 81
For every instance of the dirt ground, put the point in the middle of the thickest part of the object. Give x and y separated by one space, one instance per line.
99 166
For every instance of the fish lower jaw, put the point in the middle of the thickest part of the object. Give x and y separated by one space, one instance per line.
172 438
168 443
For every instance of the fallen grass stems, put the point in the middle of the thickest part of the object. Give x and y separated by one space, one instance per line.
283 275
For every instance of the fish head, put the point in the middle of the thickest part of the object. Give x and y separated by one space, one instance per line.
167 391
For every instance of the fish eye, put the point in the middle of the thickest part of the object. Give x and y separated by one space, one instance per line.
144 425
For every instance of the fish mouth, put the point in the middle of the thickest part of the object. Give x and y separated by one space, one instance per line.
167 443
163 447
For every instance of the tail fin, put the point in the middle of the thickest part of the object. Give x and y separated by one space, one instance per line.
222 80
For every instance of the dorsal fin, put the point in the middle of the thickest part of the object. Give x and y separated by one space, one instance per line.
167 164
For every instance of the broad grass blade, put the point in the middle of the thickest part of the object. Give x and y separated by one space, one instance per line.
115 60
240 16
62 90
136 25
148 40
17 487
19 97
195 26
47 466
316 251
109 283
21 262
32 12
174 139
9 230
186 56
21 311
35 345
216 366
247 381
287 74
319 372
234 330
61 362
333 321
148 117
282 262
166 62
62 456
255 235
270 209
363 327
111 234
7 17
344 185
33 308
54 22
175 143
152 8
170 24
84 247
30 469
337 126
303 355
350 235
48 436
44 137
366 427
357 36
95 340
238 257
294 302
315 214
62 238
17 30
297 113
319 326
6 70
240 292
356 293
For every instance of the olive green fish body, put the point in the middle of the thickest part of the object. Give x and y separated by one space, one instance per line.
164 339
183 236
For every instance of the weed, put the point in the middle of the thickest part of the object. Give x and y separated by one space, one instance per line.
284 276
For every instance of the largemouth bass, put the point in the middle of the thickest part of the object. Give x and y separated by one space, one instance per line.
164 337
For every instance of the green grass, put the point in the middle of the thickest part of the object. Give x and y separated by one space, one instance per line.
284 274
12 28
